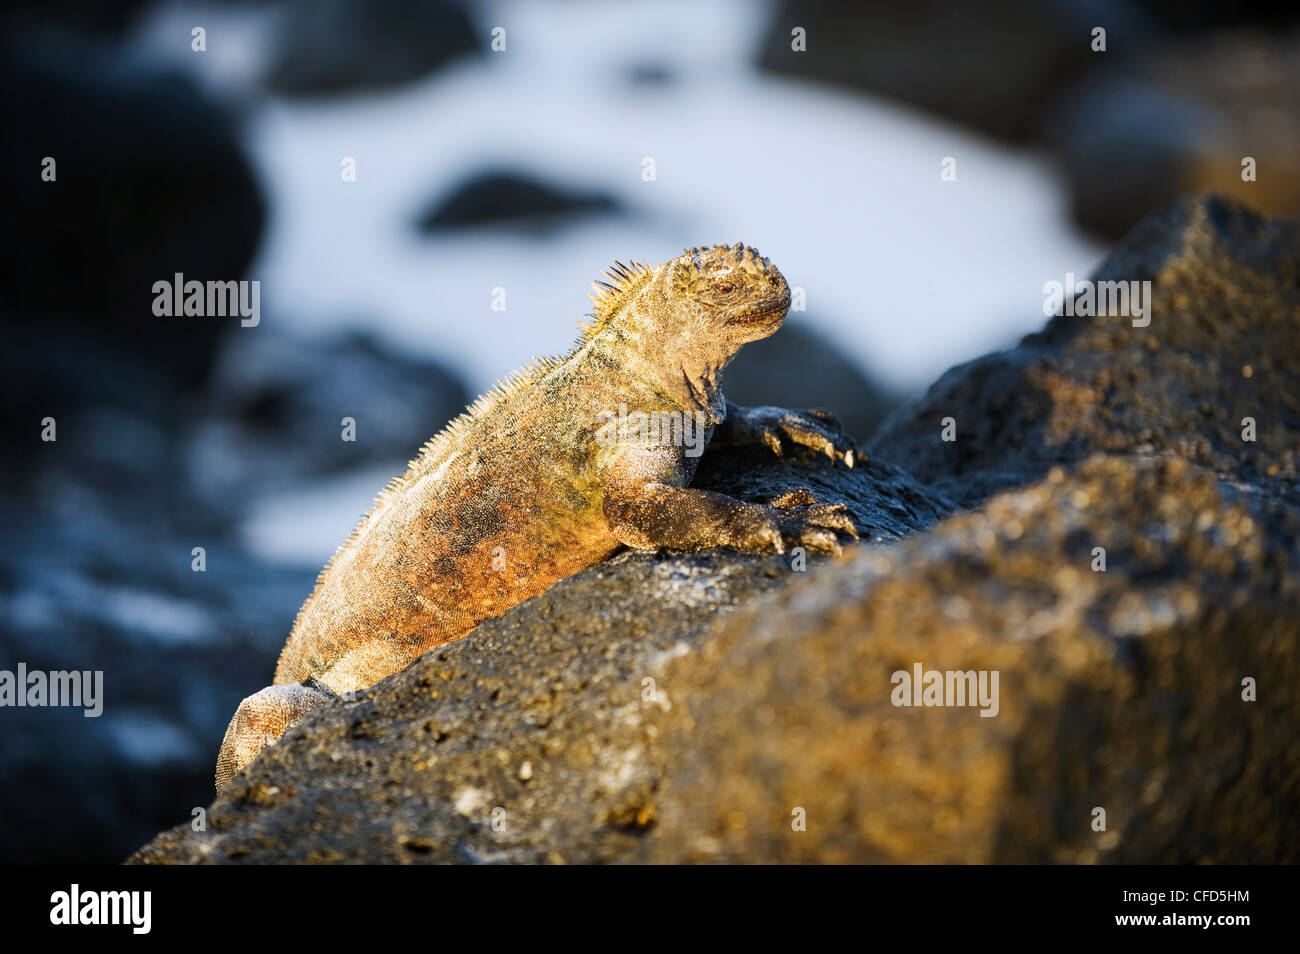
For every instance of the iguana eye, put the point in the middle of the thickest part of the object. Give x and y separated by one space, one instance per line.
726 288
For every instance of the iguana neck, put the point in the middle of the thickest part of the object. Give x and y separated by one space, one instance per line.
668 374
699 386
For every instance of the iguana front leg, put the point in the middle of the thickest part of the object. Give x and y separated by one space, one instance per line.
777 426
645 508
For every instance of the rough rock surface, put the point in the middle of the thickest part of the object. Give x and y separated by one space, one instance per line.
1137 596
1221 347
538 738
1119 689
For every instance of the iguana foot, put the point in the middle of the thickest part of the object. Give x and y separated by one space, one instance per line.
780 428
260 720
801 521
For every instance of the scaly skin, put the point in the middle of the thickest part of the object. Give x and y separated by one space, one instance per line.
522 490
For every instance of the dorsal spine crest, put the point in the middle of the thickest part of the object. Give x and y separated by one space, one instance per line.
613 296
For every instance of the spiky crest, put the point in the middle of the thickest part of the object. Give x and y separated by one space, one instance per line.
612 297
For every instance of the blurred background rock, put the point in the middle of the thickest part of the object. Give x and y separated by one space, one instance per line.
522 170
1182 92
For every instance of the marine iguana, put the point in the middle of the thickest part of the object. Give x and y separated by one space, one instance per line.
524 488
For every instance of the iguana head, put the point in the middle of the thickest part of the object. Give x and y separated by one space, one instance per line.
726 294
690 315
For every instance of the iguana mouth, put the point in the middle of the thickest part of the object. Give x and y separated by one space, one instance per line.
765 311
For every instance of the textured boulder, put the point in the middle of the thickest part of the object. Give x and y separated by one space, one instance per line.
1220 347
632 713
1120 690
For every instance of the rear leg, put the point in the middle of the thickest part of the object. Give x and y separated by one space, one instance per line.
261 719
265 716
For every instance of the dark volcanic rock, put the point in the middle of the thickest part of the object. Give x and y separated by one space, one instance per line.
1186 16
1119 689
1132 140
513 199
331 46
1221 347
632 713
997 66
150 180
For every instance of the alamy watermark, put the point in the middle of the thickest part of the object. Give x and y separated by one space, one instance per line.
75 906
687 429
195 299
1089 299
59 688
947 687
